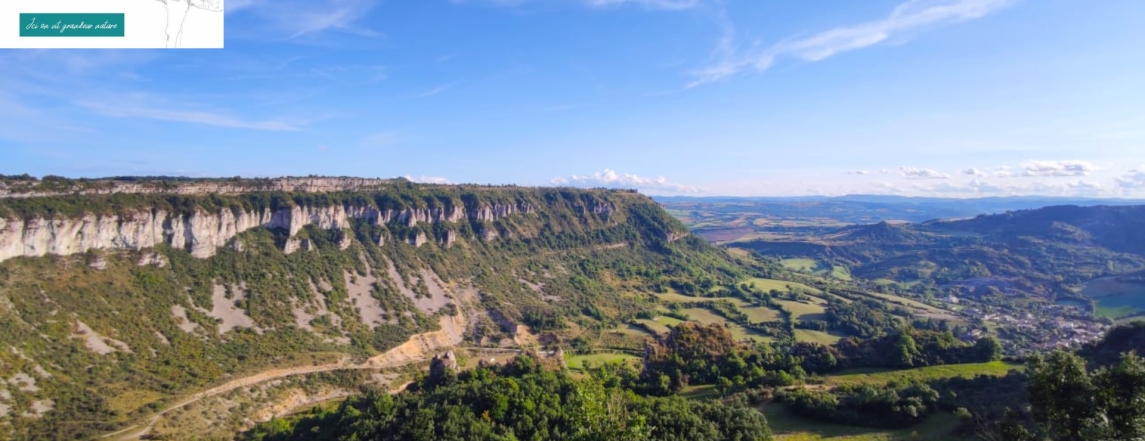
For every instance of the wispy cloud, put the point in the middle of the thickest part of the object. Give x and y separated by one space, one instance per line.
669 5
1133 179
911 16
611 179
881 171
980 187
381 139
233 6
428 179
1057 168
922 173
186 116
436 90
298 18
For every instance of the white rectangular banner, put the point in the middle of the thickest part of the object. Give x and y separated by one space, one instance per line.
81 24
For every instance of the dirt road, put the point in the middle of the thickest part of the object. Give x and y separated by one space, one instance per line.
418 348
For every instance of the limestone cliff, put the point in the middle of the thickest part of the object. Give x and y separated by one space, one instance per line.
30 189
202 232
64 217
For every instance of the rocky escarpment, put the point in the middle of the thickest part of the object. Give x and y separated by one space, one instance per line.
202 232
55 187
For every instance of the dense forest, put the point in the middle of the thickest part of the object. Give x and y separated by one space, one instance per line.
521 401
1057 398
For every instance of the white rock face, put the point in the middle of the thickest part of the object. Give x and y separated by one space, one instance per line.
295 184
201 233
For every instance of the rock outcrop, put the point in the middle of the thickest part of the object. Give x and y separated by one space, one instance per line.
31 189
202 232
442 365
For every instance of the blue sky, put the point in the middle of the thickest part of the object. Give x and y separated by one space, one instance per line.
952 98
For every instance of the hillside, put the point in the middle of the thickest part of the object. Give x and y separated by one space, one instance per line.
114 304
1046 252
733 219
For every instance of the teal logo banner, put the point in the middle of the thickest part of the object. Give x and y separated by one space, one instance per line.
71 25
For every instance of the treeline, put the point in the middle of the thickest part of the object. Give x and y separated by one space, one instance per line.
915 348
708 354
862 318
891 406
519 401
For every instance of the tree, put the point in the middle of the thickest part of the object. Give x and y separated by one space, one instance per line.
1071 404
905 350
988 349
1061 395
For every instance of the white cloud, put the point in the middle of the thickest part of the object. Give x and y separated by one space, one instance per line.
979 188
298 18
381 139
974 172
187 116
881 171
912 15
671 5
1084 185
1133 179
922 173
437 90
427 179
238 5
611 179
668 5
1057 168
974 187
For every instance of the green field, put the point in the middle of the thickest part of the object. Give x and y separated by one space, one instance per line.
807 335
660 324
803 311
803 265
757 314
672 297
707 317
1115 298
576 362
882 376
1121 306
788 427
628 329
761 314
920 308
780 285
700 392
811 266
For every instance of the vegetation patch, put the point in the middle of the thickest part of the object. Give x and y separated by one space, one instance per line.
1120 306
577 363
803 310
1116 297
801 264
789 427
815 267
767 285
707 317
821 337
882 376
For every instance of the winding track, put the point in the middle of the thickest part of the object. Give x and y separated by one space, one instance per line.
418 348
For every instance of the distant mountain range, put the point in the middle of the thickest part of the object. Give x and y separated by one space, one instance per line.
1050 251
854 209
